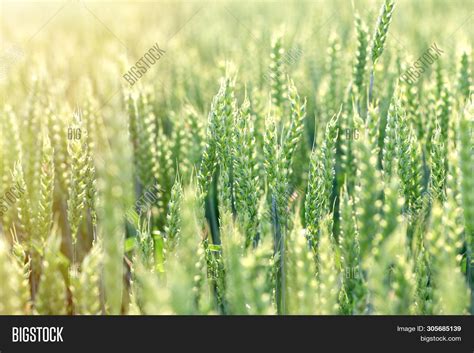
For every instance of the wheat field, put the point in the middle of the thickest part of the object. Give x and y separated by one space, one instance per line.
271 158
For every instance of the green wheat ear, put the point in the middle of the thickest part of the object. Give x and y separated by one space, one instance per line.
209 157
173 217
245 173
333 65
192 250
146 153
381 30
438 171
12 299
379 38
320 181
51 296
295 130
197 131
409 164
44 218
367 193
233 246
77 186
389 150
424 291
391 275
226 112
328 283
24 205
361 53
91 191
350 255
85 286
300 277
464 80
277 71
448 296
373 127
116 195
256 266
23 271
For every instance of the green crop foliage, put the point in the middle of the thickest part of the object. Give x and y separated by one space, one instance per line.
278 164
